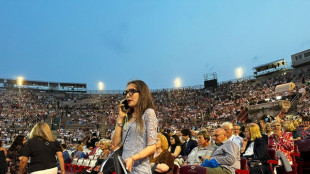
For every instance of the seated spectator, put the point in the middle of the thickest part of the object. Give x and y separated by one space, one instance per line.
288 126
281 141
162 160
79 151
189 144
225 158
304 129
176 146
268 129
97 150
201 151
104 149
228 126
236 130
255 150
65 153
104 166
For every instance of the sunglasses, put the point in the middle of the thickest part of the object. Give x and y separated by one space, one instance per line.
130 92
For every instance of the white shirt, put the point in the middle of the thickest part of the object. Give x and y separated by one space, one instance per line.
237 140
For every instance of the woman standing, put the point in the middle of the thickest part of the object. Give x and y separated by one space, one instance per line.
176 146
42 149
139 133
14 153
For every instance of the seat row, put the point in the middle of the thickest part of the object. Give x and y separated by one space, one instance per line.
78 165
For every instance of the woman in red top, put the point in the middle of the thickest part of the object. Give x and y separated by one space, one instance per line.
281 141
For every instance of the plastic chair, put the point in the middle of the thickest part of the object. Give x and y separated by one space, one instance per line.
92 163
190 169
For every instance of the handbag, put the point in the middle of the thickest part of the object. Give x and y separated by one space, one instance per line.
119 164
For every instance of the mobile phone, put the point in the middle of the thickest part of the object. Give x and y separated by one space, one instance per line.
126 106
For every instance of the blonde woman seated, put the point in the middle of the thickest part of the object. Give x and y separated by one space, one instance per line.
255 150
288 126
203 149
267 129
162 160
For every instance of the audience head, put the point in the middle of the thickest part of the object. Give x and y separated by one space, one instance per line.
288 126
140 99
63 147
19 140
105 144
162 142
228 126
276 126
219 135
186 134
236 130
252 132
306 121
203 138
268 128
175 140
42 130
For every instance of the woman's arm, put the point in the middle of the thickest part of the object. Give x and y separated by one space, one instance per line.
177 151
160 168
117 136
22 164
61 162
142 154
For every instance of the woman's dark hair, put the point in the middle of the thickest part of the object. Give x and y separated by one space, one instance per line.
17 141
177 140
304 118
145 101
1 141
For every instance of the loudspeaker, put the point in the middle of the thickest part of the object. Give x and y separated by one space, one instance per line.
210 83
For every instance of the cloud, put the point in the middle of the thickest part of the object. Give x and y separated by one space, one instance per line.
255 58
114 38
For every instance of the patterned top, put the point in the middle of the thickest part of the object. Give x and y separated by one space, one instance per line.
137 141
284 144
304 134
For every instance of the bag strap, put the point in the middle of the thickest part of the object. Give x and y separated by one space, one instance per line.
127 133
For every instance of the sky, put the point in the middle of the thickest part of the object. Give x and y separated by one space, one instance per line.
87 41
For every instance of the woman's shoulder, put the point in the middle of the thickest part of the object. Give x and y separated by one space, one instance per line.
149 114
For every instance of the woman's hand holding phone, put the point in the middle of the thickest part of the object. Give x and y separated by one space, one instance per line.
123 109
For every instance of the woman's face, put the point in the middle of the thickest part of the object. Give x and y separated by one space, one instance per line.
103 146
248 134
172 140
268 128
132 95
306 123
276 127
24 140
158 144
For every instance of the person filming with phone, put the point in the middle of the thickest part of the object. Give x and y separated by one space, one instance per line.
136 127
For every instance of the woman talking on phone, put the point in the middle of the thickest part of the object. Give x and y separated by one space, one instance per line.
136 127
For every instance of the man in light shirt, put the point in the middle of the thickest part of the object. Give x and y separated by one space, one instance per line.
228 127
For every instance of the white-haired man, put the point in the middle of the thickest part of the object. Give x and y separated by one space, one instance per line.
228 127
